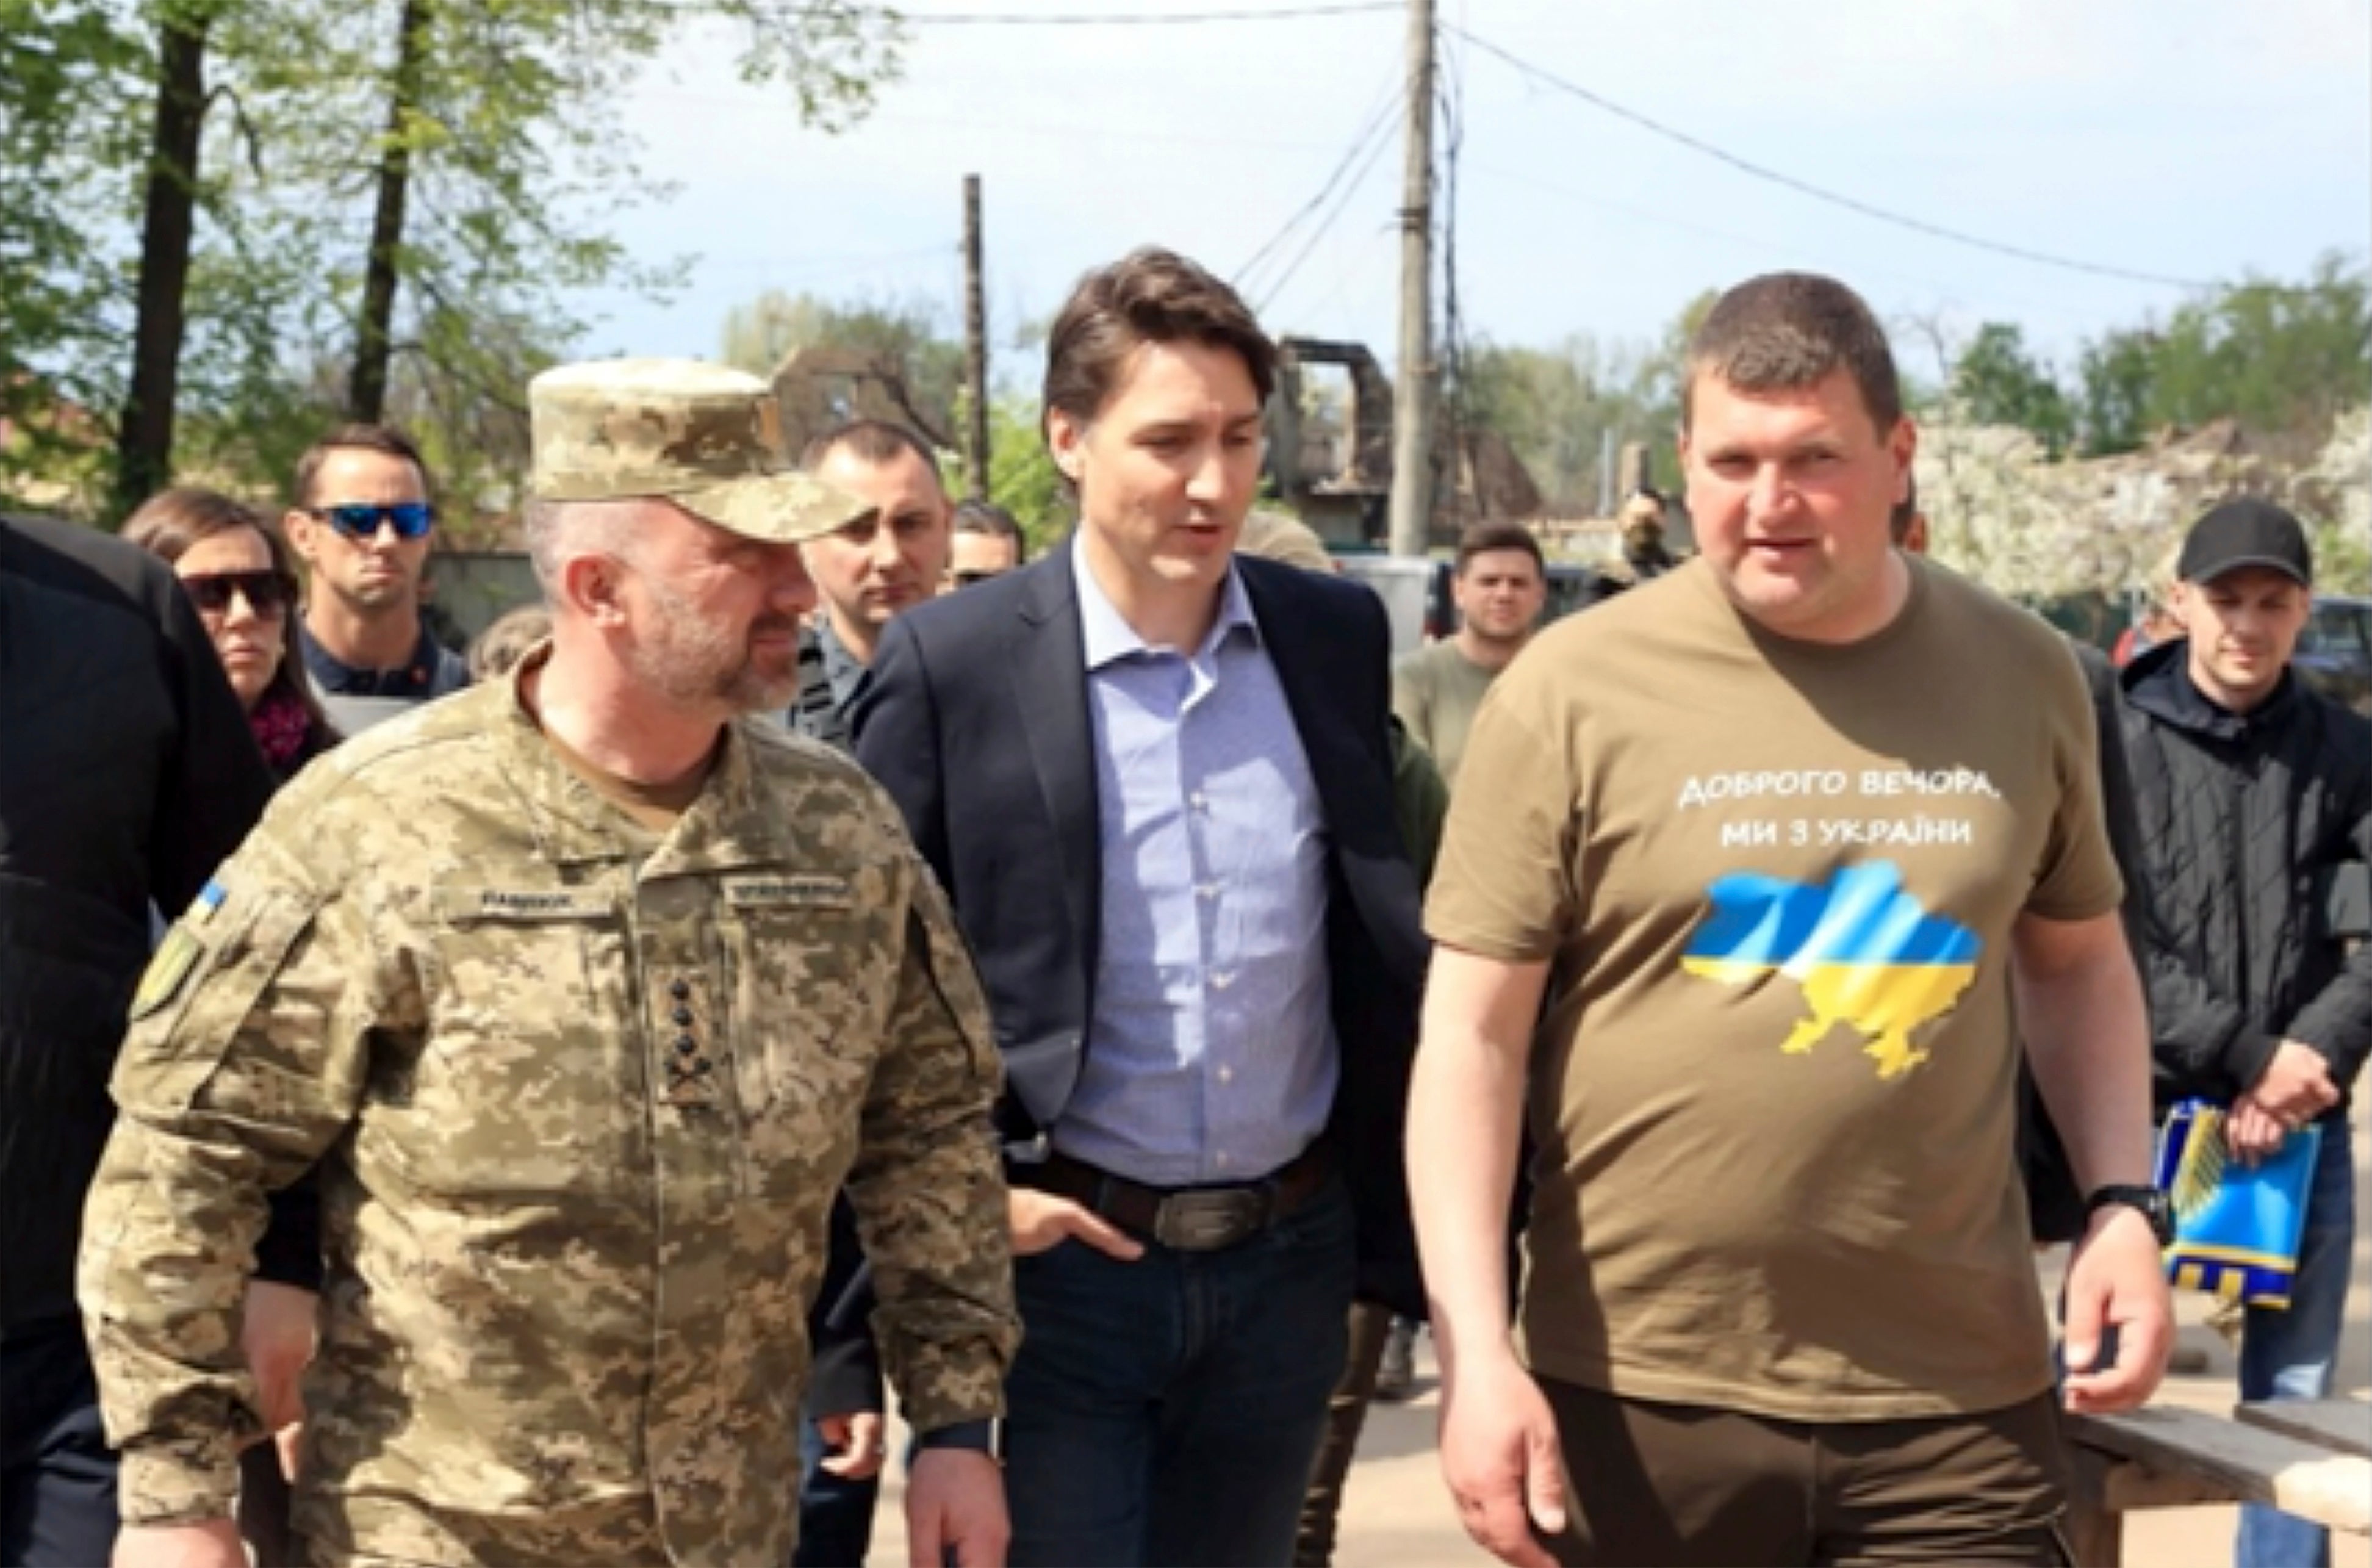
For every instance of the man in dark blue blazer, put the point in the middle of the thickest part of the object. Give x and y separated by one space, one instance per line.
1156 781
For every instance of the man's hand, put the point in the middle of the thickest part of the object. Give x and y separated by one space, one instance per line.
277 1333
860 1440
955 1504
2117 1280
1041 1220
1500 1455
2296 1085
2253 1133
213 1544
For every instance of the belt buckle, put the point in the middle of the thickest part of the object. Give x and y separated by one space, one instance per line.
1206 1222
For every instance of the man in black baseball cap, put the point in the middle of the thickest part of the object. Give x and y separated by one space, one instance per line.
2253 797
2246 532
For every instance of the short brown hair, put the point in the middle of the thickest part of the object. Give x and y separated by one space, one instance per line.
1148 296
978 516
872 442
385 439
1483 538
1784 331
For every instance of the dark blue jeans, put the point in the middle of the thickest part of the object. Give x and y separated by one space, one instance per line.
1165 1413
2288 1355
57 1479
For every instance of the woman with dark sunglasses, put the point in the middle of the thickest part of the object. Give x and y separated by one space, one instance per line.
242 577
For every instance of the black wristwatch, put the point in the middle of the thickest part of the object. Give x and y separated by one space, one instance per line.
2152 1203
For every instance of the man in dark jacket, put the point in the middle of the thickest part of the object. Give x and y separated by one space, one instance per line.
2254 801
128 773
1156 780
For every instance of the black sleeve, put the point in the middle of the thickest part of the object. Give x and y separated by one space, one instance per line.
2338 1021
214 786
290 1250
846 1376
895 723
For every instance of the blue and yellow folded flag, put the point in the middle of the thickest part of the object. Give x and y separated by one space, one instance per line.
2235 1226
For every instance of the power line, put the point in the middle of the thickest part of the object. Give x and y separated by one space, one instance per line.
1900 220
1377 118
1374 148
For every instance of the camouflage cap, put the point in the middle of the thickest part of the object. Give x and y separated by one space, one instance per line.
705 436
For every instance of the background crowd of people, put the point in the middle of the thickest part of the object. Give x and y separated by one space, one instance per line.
1107 999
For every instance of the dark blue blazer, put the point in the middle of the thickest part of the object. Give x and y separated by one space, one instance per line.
976 720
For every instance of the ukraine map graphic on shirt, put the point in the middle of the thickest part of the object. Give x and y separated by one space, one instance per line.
1865 953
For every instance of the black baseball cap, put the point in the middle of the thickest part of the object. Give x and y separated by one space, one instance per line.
2245 532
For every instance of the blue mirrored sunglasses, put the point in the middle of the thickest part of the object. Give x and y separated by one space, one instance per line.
360 520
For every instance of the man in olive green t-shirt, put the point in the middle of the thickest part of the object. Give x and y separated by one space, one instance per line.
1776 857
1500 585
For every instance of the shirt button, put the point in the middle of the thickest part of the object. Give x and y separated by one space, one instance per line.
1220 1160
1199 801
1226 1074
1221 980
682 1017
680 990
1207 891
685 1045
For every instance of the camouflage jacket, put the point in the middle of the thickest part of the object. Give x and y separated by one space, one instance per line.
581 1110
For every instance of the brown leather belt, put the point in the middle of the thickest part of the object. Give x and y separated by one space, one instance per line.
1188 1219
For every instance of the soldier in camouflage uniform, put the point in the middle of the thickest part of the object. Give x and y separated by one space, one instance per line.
587 994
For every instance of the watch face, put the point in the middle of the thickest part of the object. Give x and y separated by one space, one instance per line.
2154 1205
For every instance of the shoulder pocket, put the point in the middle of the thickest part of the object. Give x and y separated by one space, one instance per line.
202 983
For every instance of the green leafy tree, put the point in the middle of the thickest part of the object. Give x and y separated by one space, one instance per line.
215 214
1022 477
1997 382
2278 357
2117 376
63 110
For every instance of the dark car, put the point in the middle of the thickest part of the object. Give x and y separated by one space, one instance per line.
2335 653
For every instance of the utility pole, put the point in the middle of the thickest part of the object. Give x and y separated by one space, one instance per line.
1411 505
975 345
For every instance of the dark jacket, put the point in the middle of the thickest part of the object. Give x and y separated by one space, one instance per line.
2244 822
976 720
2054 1203
845 1375
127 774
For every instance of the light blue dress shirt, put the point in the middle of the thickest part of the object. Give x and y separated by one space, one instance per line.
1211 1056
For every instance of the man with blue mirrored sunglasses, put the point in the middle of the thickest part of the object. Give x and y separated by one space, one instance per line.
361 517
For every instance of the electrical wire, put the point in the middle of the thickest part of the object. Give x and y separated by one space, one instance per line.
1805 188
1374 123
1350 188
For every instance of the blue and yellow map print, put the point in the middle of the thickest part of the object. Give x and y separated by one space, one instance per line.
1866 953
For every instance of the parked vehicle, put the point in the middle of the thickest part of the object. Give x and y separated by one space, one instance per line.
2334 654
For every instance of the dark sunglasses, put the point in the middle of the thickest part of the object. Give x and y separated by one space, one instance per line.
268 594
359 520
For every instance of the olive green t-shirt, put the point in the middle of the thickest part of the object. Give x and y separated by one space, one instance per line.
1436 692
1773 1092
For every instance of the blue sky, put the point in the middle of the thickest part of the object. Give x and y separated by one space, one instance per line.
2193 139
